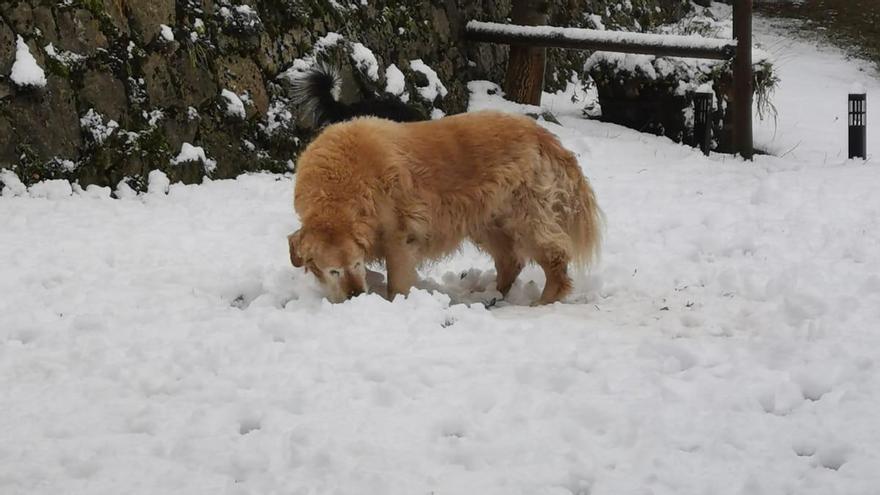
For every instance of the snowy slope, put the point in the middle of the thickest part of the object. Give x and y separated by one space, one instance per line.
727 344
816 80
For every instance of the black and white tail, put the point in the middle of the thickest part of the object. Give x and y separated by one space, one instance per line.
317 92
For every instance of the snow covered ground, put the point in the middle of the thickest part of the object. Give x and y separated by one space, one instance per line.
812 98
727 344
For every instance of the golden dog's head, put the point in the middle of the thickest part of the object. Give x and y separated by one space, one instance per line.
334 257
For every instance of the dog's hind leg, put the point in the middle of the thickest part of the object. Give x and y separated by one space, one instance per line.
549 245
559 284
508 262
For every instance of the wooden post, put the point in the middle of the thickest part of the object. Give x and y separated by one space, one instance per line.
742 79
525 67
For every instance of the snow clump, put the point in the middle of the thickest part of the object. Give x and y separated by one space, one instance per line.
395 83
12 185
25 70
435 87
365 60
93 122
234 105
190 153
157 182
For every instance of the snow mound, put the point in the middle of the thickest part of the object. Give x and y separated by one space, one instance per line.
12 185
434 87
395 83
25 70
365 60
234 104
189 153
329 40
124 191
158 182
51 189
166 33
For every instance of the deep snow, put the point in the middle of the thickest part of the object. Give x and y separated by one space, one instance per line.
726 344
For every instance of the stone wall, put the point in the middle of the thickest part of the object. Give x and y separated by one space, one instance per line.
131 81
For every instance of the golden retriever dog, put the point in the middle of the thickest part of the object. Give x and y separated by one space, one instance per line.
372 190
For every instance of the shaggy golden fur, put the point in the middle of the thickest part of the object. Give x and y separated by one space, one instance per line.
372 190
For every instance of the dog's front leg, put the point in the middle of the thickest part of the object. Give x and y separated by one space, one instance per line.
401 261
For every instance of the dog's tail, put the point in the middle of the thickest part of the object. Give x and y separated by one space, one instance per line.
316 91
588 222
584 221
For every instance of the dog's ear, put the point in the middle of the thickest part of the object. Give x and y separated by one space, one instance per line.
293 241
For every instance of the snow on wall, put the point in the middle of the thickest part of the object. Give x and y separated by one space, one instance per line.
365 60
435 87
234 105
93 122
25 71
395 83
190 153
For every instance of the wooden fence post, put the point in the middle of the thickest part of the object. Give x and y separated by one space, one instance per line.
525 66
743 79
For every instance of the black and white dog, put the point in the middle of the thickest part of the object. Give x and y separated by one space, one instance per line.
317 92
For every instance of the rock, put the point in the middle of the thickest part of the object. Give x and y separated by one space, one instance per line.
147 15
7 49
47 123
223 145
440 22
242 75
116 13
105 93
267 55
80 33
6 90
162 90
20 17
44 20
179 129
8 144
197 82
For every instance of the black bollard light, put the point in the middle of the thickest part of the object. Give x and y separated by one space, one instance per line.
702 122
858 130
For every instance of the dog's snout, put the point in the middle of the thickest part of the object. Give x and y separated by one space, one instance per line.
355 292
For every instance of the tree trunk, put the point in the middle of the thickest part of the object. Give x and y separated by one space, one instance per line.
525 67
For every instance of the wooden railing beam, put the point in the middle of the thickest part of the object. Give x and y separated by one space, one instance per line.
588 39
